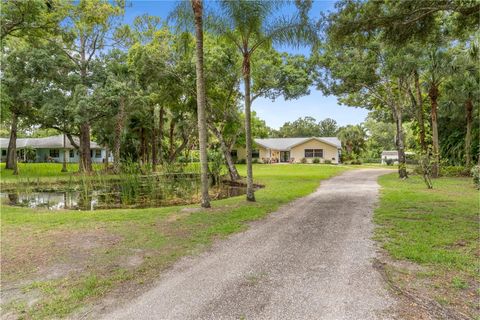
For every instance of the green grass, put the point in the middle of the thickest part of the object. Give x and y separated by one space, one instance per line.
34 171
437 229
34 241
438 226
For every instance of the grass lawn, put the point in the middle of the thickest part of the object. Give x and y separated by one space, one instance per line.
56 263
432 238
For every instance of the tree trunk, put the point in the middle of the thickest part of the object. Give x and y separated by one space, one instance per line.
85 156
118 135
402 165
64 163
142 146
248 128
232 170
433 94
12 146
171 139
421 121
154 141
201 102
160 135
107 155
468 135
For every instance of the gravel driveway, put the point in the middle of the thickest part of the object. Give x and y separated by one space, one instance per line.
312 259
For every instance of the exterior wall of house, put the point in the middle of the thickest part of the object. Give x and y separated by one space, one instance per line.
298 152
329 152
263 153
242 153
43 155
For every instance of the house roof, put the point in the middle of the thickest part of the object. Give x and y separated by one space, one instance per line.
53 142
285 144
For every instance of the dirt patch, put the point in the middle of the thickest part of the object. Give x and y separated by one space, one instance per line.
28 257
50 254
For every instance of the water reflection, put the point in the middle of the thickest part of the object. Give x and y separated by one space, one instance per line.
112 198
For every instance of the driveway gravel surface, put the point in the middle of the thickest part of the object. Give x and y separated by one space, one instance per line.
312 259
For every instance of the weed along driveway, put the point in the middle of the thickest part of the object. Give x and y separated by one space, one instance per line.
311 259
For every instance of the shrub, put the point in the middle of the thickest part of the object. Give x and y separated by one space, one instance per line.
241 161
476 176
389 162
454 171
303 160
215 165
316 160
255 160
327 161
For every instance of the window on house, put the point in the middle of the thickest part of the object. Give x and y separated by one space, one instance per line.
54 153
255 154
233 153
4 152
72 154
98 153
313 153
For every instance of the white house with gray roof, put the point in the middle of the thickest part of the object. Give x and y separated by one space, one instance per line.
294 150
51 149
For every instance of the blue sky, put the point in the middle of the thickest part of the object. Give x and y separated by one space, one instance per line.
277 112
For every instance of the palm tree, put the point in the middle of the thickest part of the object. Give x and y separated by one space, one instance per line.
437 69
463 88
249 25
201 101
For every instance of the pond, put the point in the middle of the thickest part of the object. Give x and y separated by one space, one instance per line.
141 194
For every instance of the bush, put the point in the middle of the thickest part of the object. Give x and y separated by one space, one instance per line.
255 160
327 161
303 160
389 162
454 171
316 160
476 176
241 161
372 160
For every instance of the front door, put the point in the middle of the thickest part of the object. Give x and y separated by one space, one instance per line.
284 156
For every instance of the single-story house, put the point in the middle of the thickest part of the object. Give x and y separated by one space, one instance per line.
393 156
293 150
51 149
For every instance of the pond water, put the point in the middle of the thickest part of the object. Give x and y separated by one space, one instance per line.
116 196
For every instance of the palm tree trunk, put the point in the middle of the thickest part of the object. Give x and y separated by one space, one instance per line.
12 146
433 94
402 166
468 135
421 121
201 102
248 128
118 135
